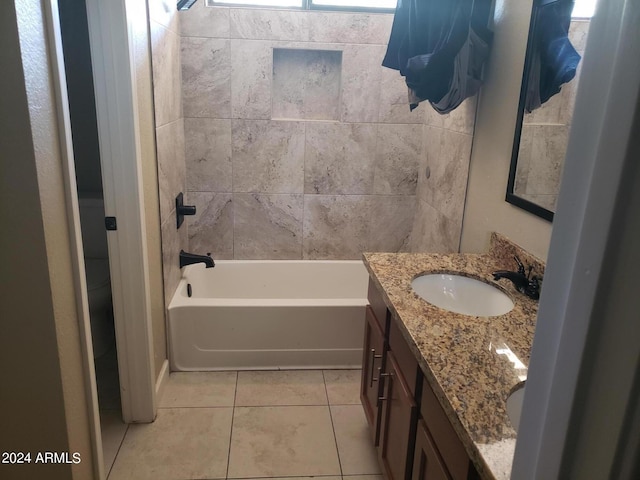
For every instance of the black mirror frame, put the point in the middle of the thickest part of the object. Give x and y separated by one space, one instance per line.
511 197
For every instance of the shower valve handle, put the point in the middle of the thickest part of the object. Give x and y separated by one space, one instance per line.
187 210
182 209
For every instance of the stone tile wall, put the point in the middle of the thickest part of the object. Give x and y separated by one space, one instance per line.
272 187
442 179
170 142
379 177
306 84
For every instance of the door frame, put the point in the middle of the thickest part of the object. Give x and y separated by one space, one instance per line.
118 132
585 350
112 58
58 76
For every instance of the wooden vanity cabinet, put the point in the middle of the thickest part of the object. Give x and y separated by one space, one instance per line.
412 433
375 346
388 390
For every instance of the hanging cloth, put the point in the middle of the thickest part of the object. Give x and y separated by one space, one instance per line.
440 48
553 60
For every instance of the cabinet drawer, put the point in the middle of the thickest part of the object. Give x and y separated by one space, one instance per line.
405 358
377 305
444 436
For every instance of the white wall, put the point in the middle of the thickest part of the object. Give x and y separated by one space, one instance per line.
140 35
486 209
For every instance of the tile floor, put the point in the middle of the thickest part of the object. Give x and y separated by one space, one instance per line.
253 424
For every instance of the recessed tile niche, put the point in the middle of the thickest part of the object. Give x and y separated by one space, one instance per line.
306 84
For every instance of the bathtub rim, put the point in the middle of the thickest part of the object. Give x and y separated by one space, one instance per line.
181 299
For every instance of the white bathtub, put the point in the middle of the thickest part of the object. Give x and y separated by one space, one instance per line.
258 314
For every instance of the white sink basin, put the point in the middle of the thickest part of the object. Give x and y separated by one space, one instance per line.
514 407
460 294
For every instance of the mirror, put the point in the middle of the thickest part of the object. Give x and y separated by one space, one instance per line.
541 135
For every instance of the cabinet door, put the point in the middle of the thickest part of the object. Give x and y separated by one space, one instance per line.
372 364
427 464
398 423
451 451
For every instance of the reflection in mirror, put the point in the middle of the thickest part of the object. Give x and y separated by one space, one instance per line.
542 135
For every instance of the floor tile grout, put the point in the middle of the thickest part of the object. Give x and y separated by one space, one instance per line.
194 406
264 406
333 428
307 476
296 476
285 476
126 430
326 390
233 416
303 476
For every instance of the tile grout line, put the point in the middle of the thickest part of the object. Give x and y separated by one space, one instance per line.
309 477
233 197
117 452
197 407
333 428
326 392
304 179
298 477
233 414
278 406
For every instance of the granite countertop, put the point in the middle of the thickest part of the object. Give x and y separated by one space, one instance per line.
472 363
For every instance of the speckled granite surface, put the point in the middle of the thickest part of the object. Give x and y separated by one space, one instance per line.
472 363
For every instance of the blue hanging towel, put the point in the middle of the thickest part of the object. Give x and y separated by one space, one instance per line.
440 48
554 61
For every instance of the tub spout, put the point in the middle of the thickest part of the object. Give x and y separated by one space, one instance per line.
191 258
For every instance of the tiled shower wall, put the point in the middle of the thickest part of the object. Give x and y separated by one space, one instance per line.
371 176
165 52
316 158
442 179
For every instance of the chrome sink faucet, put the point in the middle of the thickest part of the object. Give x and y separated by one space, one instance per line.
524 282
